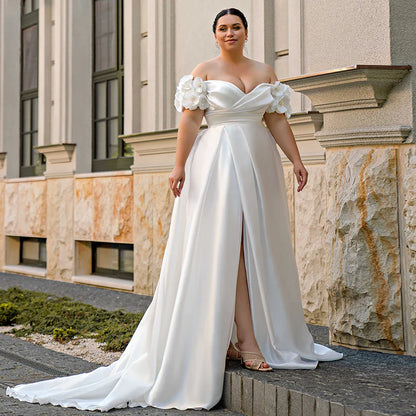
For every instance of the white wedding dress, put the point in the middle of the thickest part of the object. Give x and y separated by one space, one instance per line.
234 184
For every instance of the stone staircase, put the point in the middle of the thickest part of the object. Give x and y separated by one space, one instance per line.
363 383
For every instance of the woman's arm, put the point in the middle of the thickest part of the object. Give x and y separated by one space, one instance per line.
187 132
283 135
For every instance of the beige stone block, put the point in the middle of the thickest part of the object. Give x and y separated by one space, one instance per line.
290 183
163 200
60 243
2 237
408 230
25 208
365 284
11 200
104 206
143 233
83 209
311 248
103 194
122 227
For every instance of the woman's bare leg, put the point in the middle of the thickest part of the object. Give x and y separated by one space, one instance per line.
243 320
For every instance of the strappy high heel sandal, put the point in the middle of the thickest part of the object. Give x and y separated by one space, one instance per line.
256 359
233 353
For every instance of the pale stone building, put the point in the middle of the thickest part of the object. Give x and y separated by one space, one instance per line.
88 130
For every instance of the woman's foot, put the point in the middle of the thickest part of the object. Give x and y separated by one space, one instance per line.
233 353
252 347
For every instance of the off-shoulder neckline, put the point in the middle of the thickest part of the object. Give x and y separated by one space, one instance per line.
239 89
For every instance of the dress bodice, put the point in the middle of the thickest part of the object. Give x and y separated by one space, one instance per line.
224 102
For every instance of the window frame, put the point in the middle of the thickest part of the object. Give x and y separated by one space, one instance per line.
118 274
30 262
37 166
120 162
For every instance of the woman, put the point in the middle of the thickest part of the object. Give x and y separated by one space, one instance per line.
228 256
230 31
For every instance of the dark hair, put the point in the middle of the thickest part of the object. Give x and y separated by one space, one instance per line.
233 11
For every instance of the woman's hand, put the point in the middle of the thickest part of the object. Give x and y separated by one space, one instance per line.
301 174
176 180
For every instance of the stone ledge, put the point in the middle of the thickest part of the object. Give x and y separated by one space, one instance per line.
26 270
307 158
348 88
25 179
60 159
364 137
103 174
104 281
153 151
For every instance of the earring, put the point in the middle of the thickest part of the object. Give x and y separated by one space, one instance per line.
216 44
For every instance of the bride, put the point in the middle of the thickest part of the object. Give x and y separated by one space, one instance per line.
228 277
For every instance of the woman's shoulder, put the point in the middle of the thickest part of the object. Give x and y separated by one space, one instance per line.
203 69
265 70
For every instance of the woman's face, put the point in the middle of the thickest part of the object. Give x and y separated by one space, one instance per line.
230 32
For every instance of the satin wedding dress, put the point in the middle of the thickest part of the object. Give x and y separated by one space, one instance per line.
234 186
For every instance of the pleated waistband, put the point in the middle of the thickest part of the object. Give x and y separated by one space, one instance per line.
217 120
259 123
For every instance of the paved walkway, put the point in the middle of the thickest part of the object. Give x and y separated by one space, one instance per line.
363 383
24 362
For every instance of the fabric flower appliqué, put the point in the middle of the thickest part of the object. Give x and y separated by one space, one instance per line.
281 99
191 93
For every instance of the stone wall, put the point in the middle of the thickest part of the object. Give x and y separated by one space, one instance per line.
312 252
408 227
363 235
25 208
153 203
2 238
307 211
60 225
103 208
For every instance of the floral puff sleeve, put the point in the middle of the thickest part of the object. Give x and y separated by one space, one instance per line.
281 99
191 94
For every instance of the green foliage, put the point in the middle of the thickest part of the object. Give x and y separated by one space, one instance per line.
63 334
63 318
8 313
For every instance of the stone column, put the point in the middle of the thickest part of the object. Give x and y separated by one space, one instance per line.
44 74
60 166
71 97
10 84
262 42
161 65
365 132
132 65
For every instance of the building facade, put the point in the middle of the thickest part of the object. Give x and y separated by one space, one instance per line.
88 137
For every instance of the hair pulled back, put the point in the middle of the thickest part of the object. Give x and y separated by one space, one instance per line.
233 11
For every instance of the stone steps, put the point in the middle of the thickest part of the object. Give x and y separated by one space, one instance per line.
363 383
